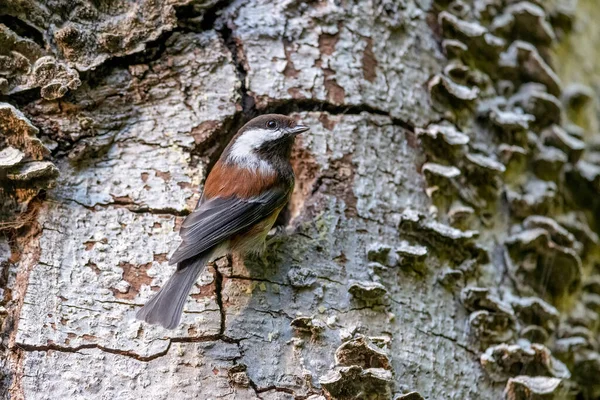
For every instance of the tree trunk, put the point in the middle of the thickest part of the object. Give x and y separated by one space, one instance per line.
442 237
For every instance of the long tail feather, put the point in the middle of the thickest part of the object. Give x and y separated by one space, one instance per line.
166 306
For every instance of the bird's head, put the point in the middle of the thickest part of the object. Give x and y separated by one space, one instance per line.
264 141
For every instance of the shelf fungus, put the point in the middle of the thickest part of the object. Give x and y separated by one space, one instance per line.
514 158
443 141
565 348
10 157
577 96
479 298
534 334
510 120
584 180
484 165
557 233
556 136
535 311
363 370
411 256
439 177
534 197
441 237
354 382
446 91
379 252
544 263
503 361
533 99
23 170
451 279
305 324
524 20
460 215
521 61
369 292
490 327
361 351
454 48
586 369
25 66
592 284
525 387
548 162
34 170
410 396
475 36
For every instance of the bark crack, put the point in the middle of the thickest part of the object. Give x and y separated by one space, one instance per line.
456 342
125 353
219 297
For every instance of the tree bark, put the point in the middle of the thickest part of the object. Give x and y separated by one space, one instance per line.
441 240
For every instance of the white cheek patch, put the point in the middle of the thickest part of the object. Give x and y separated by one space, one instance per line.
243 150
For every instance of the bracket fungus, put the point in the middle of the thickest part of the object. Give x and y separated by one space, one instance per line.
522 61
25 66
525 387
535 311
410 396
445 90
504 361
354 382
533 99
304 324
536 196
363 352
367 291
411 256
379 252
524 20
23 170
443 141
558 137
543 262
479 298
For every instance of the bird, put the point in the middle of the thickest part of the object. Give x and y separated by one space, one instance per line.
243 194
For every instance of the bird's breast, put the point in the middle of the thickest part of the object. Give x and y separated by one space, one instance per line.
252 240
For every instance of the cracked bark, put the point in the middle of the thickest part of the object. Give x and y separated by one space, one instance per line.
134 103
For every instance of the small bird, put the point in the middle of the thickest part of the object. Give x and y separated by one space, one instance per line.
243 195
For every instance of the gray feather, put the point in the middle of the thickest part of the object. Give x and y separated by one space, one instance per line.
166 306
219 218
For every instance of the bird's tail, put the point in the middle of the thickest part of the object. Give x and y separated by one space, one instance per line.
166 306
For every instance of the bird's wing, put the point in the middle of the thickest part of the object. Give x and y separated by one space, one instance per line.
216 219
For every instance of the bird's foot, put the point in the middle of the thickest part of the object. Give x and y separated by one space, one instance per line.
275 235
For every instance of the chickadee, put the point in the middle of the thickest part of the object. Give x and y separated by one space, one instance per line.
243 195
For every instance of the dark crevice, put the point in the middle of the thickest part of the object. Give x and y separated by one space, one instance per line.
54 347
132 207
209 338
312 105
23 29
238 56
153 51
219 297
210 17
258 390
130 354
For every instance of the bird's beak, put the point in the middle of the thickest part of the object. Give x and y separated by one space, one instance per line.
298 129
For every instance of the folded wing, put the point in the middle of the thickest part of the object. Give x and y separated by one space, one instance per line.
216 219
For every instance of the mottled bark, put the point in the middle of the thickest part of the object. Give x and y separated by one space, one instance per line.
441 242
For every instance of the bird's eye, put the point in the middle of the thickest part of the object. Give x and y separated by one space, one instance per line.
272 124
